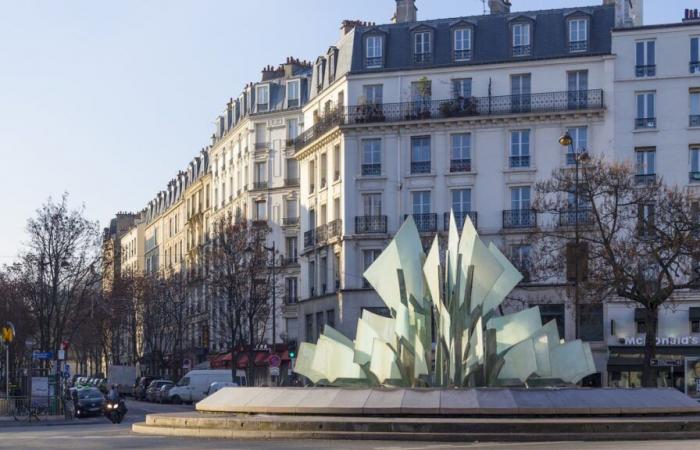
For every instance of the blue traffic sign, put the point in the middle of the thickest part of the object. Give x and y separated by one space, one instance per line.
42 355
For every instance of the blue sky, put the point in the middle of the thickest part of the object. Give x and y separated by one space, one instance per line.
108 100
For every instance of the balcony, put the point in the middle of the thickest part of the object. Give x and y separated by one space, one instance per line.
262 145
460 217
371 170
290 221
309 238
519 161
694 66
519 218
422 58
291 299
460 165
694 176
321 234
290 260
522 50
289 143
291 182
644 178
335 228
546 102
462 55
324 183
420 167
694 120
568 217
645 71
260 185
645 122
262 107
370 224
426 223
293 103
578 46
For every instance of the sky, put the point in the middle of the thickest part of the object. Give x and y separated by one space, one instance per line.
107 100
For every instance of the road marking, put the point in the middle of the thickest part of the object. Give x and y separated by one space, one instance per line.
472 445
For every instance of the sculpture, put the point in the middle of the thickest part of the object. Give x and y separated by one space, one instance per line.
473 345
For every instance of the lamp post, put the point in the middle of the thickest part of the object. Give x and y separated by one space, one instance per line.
579 157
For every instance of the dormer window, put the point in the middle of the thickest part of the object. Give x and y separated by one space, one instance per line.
262 95
521 39
293 94
423 47
462 44
320 72
374 52
578 35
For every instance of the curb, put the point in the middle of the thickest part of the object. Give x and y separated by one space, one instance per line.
45 423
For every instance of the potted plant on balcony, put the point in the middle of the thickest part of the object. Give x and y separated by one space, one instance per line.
421 93
367 112
459 106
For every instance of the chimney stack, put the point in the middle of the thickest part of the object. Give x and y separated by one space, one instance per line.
691 15
406 11
499 6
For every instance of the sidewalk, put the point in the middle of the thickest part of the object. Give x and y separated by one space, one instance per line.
8 422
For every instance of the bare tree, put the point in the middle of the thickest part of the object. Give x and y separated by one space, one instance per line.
177 294
237 270
638 239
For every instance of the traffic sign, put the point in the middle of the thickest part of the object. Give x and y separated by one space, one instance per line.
61 355
274 361
42 355
66 371
274 371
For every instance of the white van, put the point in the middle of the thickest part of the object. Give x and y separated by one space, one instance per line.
194 385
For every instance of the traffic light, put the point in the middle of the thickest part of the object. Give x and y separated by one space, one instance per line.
292 346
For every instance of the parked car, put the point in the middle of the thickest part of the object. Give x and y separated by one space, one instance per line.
141 386
162 393
154 387
218 385
88 402
193 387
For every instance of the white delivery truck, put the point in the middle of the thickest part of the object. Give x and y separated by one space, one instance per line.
123 376
194 386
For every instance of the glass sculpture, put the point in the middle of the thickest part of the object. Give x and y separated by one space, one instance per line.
445 329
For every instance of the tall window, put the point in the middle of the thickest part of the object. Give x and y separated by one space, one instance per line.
262 94
323 268
373 94
421 202
694 163
336 163
372 204
292 172
645 164
260 175
520 198
293 94
590 317
646 58
462 88
312 279
292 290
520 92
462 44
461 201
422 50
578 35
694 120
521 39
520 256
577 85
368 257
553 311
374 52
261 210
420 154
695 54
291 210
461 153
292 129
371 157
520 148
579 136
646 111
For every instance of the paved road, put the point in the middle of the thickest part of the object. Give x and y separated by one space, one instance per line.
98 433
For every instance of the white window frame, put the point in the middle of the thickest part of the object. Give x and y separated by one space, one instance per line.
464 198
520 147
521 34
374 49
645 161
422 43
694 159
291 86
462 42
463 149
419 205
263 88
578 30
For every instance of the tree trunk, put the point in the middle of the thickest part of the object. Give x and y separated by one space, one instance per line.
649 371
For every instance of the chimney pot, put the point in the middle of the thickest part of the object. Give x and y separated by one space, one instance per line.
406 11
499 6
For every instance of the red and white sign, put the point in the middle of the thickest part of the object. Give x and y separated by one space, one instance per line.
274 360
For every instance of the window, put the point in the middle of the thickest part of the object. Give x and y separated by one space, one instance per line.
261 210
646 59
371 157
578 35
694 120
324 274
309 324
554 311
374 50
422 50
521 39
461 201
290 245
460 157
420 154
695 54
520 198
645 164
372 204
462 88
291 287
373 94
330 317
421 202
520 215
694 163
292 171
645 220
262 94
312 176
577 85
260 136
368 257
646 115
260 175
520 256
293 91
520 148
292 129
520 92
323 168
336 163
463 44
590 319
291 210
320 72
312 278
579 137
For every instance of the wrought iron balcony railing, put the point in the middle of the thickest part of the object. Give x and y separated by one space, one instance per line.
569 217
460 165
422 58
578 46
309 238
259 185
694 66
291 182
454 107
291 299
522 50
290 260
335 228
374 62
293 103
420 166
519 161
370 224
426 223
645 122
519 218
460 217
645 71
321 234
644 178
371 169
462 55
289 143
290 221
262 145
694 120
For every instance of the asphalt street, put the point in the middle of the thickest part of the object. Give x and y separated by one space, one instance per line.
98 433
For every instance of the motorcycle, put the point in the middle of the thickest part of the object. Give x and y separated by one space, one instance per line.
115 410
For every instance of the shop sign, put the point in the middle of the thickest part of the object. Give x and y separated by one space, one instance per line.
666 362
676 340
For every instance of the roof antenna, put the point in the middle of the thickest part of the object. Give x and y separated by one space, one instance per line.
483 3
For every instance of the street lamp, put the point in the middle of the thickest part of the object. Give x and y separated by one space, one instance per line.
579 157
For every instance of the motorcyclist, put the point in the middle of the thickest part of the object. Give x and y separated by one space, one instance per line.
113 393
